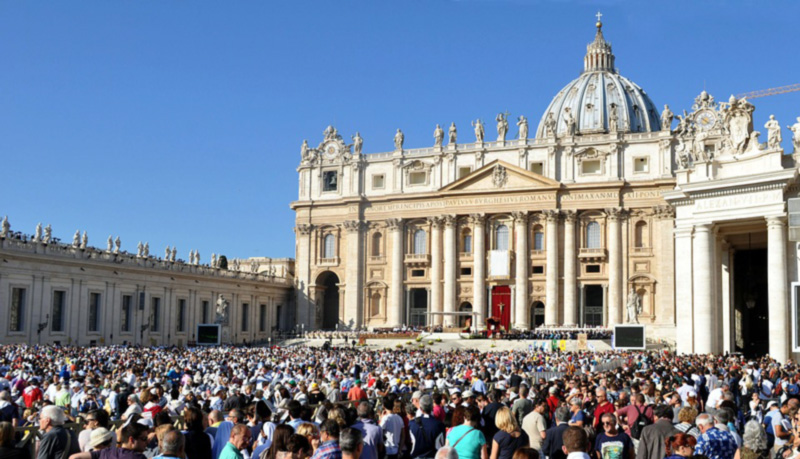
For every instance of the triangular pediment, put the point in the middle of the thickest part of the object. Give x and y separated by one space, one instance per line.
498 176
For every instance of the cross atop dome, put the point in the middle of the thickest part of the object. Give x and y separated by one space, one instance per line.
598 53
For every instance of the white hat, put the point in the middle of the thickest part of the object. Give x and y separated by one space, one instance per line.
99 436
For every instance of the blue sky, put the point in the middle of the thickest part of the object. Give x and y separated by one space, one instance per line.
180 122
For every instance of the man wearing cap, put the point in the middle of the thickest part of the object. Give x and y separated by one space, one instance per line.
356 393
427 432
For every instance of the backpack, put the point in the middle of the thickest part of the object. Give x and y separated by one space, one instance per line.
642 421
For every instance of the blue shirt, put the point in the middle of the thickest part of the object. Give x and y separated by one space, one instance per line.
716 444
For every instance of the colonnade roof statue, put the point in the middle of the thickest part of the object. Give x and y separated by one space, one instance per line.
600 100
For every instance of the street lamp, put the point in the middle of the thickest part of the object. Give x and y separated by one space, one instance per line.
143 329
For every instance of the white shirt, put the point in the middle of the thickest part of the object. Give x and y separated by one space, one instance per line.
392 426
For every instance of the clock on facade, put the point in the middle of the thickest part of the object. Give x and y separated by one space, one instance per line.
331 150
705 120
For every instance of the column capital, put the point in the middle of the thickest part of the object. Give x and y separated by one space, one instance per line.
352 226
520 216
776 221
449 221
570 215
551 215
615 213
663 212
435 221
304 229
703 228
477 219
394 224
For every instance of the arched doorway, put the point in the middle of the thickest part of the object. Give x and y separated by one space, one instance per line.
329 282
537 314
465 320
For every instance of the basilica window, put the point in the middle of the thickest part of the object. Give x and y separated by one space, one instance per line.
501 237
155 314
420 242
590 167
376 244
16 322
378 181
538 238
417 178
94 312
640 165
330 181
593 235
329 246
466 241
59 308
641 235
127 311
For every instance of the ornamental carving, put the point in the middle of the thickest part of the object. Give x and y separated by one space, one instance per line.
664 212
435 222
352 226
570 216
520 216
304 229
551 215
394 224
499 176
449 221
615 213
477 219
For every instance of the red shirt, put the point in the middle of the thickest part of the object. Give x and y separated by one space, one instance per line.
608 407
356 393
31 394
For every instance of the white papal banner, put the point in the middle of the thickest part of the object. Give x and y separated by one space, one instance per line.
499 264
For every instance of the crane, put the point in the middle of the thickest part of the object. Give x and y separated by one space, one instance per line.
770 91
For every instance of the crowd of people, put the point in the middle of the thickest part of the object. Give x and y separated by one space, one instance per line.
331 403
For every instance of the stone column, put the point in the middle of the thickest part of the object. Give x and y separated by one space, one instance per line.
614 266
479 269
521 272
776 284
684 311
551 293
703 257
725 292
395 307
570 274
354 278
305 289
436 269
450 262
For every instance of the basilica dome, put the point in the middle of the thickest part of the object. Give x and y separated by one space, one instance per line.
600 100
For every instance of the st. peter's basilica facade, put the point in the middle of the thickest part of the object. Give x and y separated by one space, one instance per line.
611 211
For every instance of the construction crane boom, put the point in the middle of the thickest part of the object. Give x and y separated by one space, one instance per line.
770 91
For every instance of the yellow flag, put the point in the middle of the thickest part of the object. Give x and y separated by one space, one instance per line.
562 344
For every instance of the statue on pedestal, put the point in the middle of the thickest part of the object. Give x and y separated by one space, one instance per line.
222 311
37 236
398 140
5 227
634 306
174 254
253 266
84 241
774 137
613 118
304 151
666 119
479 132
117 245
795 128
522 123
438 136
110 244
569 120
550 125
453 134
146 252
191 257
197 257
140 249
358 143
502 126
166 254
76 239
48 234
213 260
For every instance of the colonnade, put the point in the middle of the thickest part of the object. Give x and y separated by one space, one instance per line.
443 294
703 284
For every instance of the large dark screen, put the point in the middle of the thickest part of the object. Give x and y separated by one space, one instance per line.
629 337
207 334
